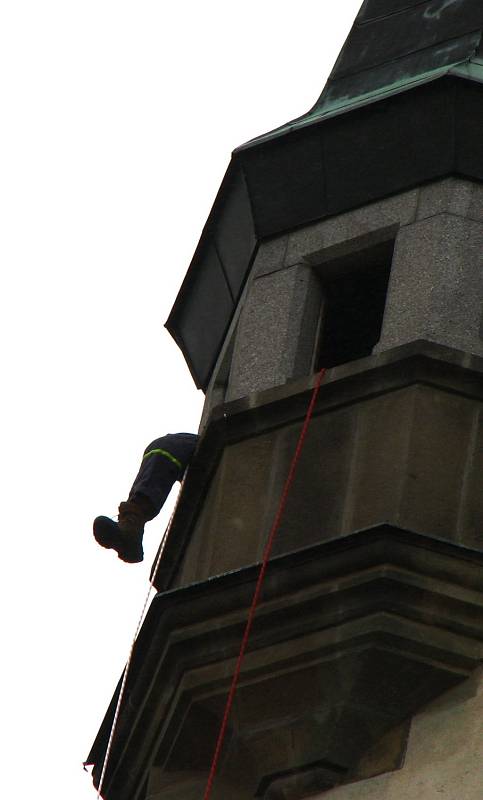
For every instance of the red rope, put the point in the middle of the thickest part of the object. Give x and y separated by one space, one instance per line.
256 596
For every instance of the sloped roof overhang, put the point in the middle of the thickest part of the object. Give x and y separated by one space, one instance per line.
295 176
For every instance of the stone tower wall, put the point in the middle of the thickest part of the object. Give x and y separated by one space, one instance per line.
434 292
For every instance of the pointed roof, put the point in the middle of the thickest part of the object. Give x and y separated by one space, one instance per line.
393 46
418 61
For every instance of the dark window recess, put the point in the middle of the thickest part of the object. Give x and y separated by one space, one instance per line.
354 291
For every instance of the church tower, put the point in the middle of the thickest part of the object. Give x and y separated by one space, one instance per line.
350 239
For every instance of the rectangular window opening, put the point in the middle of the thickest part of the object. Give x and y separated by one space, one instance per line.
354 289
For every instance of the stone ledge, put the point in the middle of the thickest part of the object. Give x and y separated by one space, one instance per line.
353 637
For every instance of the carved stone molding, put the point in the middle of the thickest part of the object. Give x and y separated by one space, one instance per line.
352 638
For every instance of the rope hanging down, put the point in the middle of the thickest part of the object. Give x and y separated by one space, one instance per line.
128 663
256 596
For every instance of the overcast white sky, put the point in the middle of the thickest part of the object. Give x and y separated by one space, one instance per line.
117 123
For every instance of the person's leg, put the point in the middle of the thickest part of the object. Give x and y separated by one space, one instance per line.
164 462
159 470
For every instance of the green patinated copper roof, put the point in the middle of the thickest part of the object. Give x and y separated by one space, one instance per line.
395 45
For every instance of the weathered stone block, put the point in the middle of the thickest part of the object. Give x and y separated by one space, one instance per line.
393 211
233 510
436 470
316 504
435 288
449 196
470 516
271 255
475 210
378 461
272 346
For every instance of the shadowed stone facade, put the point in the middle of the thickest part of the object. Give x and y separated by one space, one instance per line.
395 438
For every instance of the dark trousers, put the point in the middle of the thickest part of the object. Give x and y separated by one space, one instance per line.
164 462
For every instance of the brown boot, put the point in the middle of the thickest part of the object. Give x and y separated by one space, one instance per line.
131 521
126 535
